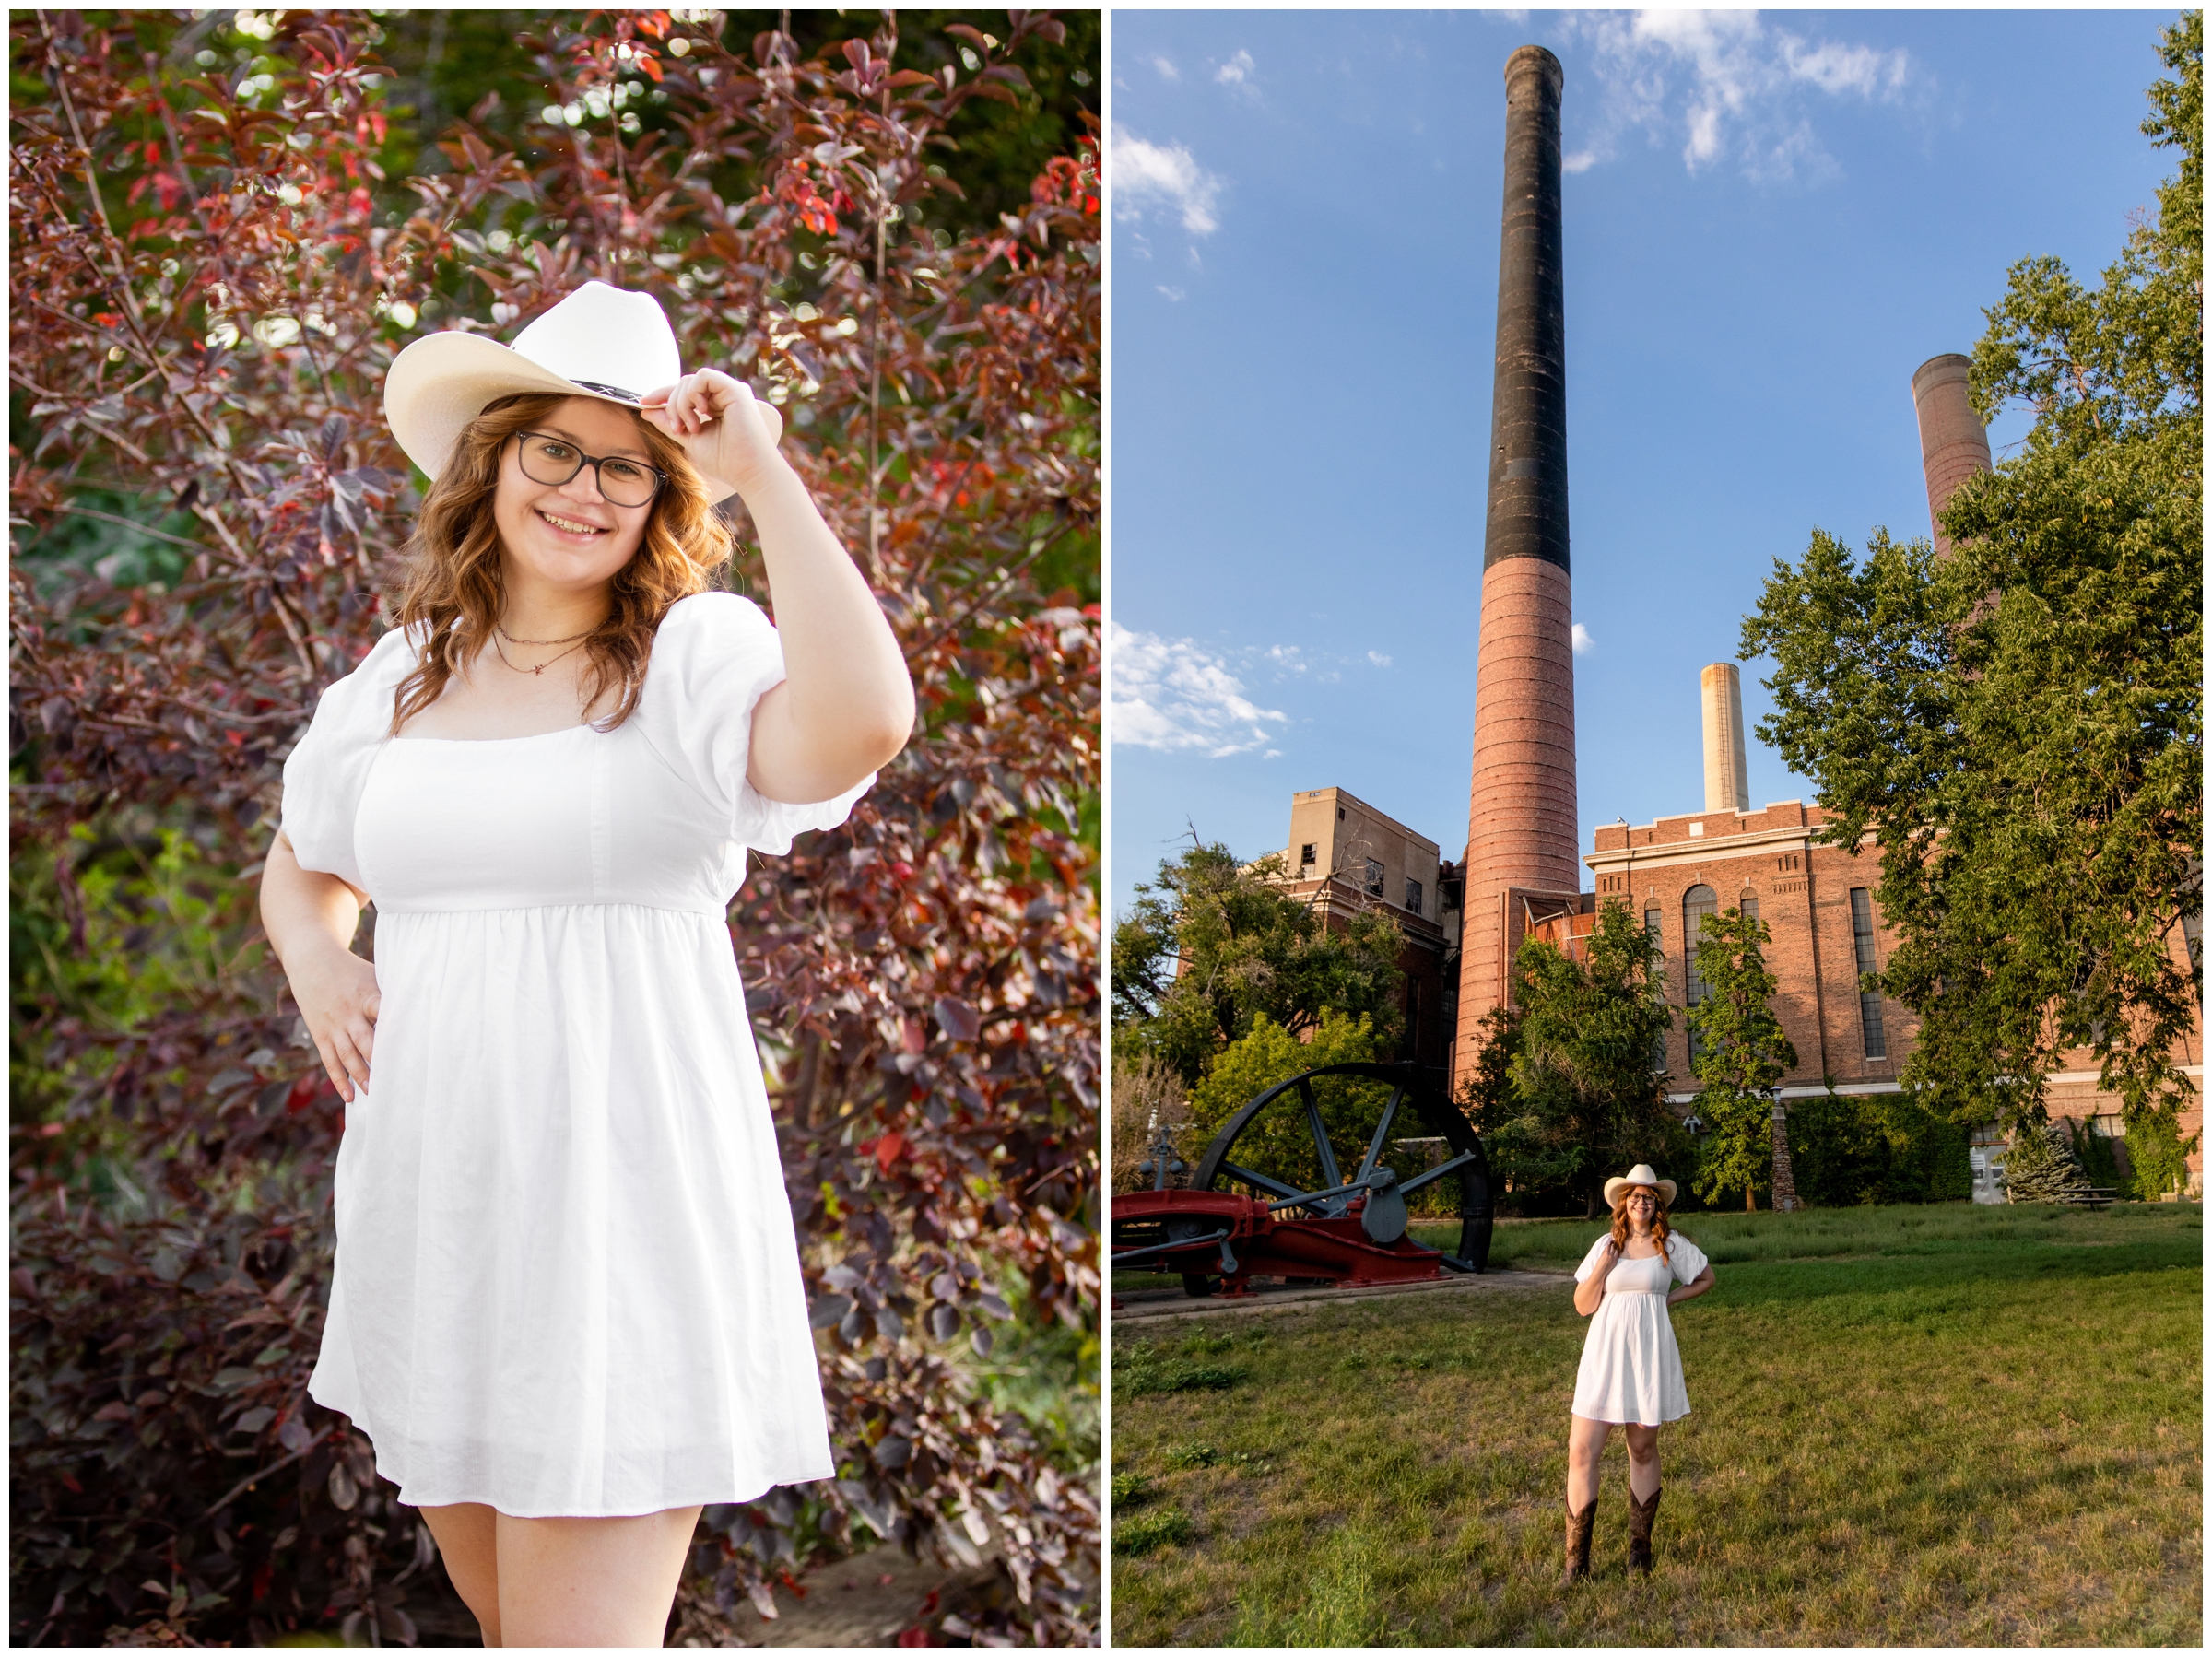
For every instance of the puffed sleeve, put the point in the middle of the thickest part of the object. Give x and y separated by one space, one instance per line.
327 768
1684 1257
715 657
1583 1273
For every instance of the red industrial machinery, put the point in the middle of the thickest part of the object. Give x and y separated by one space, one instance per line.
1344 1232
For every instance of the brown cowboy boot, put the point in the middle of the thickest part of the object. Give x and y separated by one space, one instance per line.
1579 1526
1640 1514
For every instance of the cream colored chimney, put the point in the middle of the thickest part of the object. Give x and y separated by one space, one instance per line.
1720 690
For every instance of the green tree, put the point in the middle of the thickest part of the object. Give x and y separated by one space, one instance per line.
1213 945
1848 1148
1741 1054
1279 1141
2041 1166
1486 1097
2159 1156
1587 1100
2020 723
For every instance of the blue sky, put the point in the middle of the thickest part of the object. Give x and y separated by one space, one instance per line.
1772 219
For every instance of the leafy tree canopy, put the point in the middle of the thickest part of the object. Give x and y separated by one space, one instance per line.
1212 945
2020 723
1279 1141
1741 1054
1586 1101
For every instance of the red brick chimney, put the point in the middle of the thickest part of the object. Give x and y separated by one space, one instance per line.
1520 808
1953 443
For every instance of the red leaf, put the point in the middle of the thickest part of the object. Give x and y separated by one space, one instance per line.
888 1149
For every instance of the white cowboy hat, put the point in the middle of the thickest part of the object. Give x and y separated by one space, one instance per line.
1640 1174
610 343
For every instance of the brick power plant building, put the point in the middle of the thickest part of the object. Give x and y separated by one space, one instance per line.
1522 871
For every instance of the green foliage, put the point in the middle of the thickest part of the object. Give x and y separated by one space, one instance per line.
1169 1528
1132 1489
2020 723
1585 1100
2099 1162
2041 1166
1212 946
1848 1150
1146 1370
1741 1052
2159 1156
1486 1097
1279 1141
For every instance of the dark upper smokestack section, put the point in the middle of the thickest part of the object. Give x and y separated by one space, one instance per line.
1528 402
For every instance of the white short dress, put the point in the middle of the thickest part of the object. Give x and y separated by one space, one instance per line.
1632 1369
567 1280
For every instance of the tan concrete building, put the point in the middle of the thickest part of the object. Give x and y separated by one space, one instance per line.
1345 858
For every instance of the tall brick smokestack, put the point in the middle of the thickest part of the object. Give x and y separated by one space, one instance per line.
1953 443
1720 693
1521 806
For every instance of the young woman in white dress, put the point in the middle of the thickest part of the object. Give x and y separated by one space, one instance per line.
566 1306
1631 1370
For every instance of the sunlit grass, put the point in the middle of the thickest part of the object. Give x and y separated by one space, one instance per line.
1934 1425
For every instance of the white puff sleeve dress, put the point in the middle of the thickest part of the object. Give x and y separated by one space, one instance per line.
567 1281
1632 1369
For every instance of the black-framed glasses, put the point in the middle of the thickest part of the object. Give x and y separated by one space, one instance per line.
552 460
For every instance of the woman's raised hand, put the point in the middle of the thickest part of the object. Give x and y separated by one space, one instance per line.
728 433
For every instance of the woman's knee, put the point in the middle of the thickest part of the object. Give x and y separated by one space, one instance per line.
1643 1445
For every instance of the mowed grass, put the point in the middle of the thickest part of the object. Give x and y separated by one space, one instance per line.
1948 1425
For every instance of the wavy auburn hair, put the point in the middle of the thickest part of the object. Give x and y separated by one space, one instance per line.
451 585
1620 1221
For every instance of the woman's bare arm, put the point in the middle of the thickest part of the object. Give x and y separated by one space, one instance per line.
310 919
1692 1289
846 705
1591 1291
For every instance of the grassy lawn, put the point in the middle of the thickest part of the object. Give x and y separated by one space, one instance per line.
1948 1425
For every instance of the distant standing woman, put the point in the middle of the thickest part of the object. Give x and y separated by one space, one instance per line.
1631 1373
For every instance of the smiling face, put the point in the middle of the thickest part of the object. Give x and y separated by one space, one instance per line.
569 539
1643 1203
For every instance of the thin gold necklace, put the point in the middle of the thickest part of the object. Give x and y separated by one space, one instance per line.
501 629
541 667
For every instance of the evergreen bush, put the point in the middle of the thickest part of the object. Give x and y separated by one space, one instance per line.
2041 1166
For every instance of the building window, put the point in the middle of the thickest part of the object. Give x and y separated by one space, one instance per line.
1305 855
1651 925
1375 878
1870 1005
1697 903
1412 896
1750 908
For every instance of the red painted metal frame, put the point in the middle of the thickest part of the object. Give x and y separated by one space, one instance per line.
1291 1245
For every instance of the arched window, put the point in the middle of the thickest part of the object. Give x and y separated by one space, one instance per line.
1697 903
1652 926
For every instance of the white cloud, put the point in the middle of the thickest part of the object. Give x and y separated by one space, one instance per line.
1580 640
1172 293
1725 85
1378 658
1168 71
1160 178
1236 72
1172 694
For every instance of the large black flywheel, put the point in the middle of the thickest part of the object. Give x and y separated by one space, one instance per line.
1264 1148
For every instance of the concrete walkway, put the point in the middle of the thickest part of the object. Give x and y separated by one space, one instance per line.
1147 1304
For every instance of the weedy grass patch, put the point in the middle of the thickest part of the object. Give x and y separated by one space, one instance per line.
1943 1425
